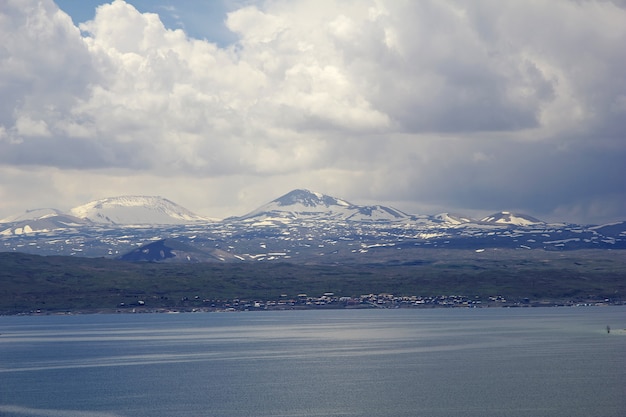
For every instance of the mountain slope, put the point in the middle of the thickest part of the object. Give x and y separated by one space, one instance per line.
39 220
452 219
127 210
34 214
376 213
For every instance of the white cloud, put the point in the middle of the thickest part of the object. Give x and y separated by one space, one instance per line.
25 126
441 100
255 27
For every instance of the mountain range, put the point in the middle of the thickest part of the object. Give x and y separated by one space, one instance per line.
300 226
297 204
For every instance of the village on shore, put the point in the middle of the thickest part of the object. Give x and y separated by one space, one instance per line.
331 301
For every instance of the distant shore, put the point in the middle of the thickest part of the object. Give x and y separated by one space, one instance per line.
276 306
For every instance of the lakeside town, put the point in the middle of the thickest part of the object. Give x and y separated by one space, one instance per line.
328 301
367 301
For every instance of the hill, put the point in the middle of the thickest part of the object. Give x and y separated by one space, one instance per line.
30 283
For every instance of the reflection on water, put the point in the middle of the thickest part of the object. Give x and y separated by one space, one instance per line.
10 410
489 362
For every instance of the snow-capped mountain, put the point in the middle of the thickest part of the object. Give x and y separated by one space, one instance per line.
516 219
310 199
453 219
128 210
305 204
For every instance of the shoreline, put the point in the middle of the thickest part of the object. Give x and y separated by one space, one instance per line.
231 309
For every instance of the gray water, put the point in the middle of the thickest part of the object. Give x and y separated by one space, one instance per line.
443 362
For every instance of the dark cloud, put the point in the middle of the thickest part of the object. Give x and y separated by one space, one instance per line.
538 178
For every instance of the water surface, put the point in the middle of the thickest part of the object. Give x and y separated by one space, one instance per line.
442 362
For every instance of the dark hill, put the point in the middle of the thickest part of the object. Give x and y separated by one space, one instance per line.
156 251
62 283
165 250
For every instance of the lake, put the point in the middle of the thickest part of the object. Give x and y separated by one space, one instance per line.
406 362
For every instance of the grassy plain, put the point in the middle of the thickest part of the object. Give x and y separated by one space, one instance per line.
55 283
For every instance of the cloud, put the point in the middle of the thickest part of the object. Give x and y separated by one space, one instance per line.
38 86
482 105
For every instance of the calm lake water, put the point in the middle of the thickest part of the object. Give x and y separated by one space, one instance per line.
443 362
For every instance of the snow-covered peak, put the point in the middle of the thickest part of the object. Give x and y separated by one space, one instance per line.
302 203
308 198
506 217
135 210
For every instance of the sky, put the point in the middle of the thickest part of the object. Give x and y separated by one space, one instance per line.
428 106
